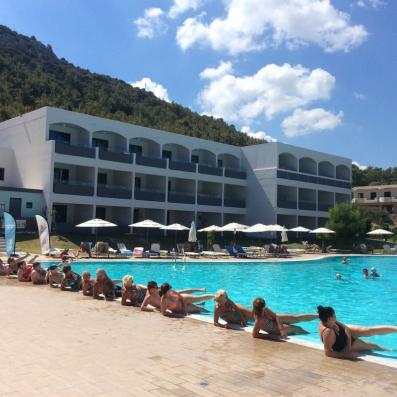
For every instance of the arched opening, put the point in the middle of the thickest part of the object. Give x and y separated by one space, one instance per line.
229 161
308 166
287 161
69 134
144 147
343 172
176 152
325 168
107 140
203 157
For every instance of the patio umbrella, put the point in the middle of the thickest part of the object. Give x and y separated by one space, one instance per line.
176 227
147 224
96 223
212 228
299 229
257 228
322 230
234 227
380 232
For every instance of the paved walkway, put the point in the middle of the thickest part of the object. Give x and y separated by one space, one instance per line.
55 343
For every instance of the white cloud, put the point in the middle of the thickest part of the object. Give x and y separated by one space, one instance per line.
304 122
151 24
251 25
271 90
360 166
359 96
157 89
258 134
370 3
181 6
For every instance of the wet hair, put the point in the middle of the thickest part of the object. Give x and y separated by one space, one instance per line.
324 313
220 296
257 306
165 287
36 264
66 268
151 284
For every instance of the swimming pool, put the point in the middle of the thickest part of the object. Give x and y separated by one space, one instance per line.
288 287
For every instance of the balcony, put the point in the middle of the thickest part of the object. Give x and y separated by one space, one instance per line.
118 192
230 202
74 188
206 199
324 206
287 204
388 199
209 170
118 157
151 161
230 173
81 151
182 198
182 166
307 205
149 195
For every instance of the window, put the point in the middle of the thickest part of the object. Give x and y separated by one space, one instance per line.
2 207
169 185
61 137
373 195
61 212
135 149
361 195
102 178
100 213
61 175
101 143
137 184
167 154
220 163
387 194
195 158
1 174
29 204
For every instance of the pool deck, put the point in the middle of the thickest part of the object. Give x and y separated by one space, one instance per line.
57 343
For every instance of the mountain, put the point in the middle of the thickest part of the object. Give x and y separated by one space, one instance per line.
32 76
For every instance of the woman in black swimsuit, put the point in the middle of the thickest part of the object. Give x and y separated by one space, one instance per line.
342 341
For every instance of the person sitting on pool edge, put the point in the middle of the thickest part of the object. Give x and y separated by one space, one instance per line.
38 275
54 276
342 341
174 302
132 294
87 285
71 280
270 322
104 285
24 272
153 299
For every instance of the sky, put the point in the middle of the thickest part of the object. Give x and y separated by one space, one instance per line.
321 74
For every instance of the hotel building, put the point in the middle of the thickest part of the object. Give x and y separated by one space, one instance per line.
77 167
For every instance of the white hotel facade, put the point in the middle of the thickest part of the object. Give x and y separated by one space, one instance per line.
80 167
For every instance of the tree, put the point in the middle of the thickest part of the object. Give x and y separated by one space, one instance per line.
347 221
376 218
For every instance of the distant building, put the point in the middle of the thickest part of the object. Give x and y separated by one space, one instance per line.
377 196
83 166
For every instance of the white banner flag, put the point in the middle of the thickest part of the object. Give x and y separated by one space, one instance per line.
44 234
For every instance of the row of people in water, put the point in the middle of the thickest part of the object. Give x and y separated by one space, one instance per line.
340 340
366 274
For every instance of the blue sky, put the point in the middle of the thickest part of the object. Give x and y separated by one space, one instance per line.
315 73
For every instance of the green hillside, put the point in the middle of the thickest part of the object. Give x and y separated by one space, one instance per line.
32 76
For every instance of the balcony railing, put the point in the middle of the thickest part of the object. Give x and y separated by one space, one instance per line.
287 204
118 192
119 157
182 166
230 173
307 205
183 198
205 199
209 170
151 161
229 202
82 151
325 206
149 195
294 176
74 188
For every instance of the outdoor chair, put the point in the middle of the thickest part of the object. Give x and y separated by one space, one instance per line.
138 252
154 251
123 249
101 248
387 250
233 251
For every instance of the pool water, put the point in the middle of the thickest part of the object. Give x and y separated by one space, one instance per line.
287 287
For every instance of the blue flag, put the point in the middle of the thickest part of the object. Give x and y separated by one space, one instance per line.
10 228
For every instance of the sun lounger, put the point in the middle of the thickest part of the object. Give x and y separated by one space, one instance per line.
235 252
387 250
213 254
138 252
123 249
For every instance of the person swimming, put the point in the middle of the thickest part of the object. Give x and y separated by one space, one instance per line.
342 341
268 321
365 273
132 294
345 261
339 276
374 273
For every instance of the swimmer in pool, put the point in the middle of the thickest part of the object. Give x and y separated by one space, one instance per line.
345 261
365 273
374 273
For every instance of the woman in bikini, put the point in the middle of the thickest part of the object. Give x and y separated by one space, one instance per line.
342 341
24 272
105 286
87 284
71 280
132 294
275 327
174 302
